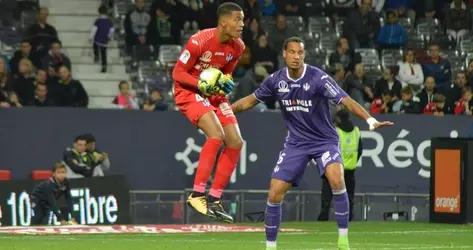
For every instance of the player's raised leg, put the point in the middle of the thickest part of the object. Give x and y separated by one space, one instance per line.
225 166
215 135
334 174
273 215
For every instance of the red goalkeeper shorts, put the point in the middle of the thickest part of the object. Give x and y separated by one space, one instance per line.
194 106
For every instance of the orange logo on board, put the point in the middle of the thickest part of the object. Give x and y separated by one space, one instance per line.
447 181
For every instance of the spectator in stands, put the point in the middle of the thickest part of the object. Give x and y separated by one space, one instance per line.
155 102
41 34
99 160
267 7
469 73
339 74
357 86
13 100
457 20
404 8
376 5
41 98
78 164
464 106
23 83
136 23
427 94
455 90
382 104
406 105
340 8
23 52
100 35
251 33
193 10
251 9
388 83
5 84
392 35
125 99
437 67
264 55
291 7
208 14
68 92
55 58
281 33
430 9
438 107
41 77
250 81
162 29
344 55
361 26
410 72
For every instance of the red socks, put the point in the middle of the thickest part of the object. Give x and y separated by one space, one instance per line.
207 157
225 167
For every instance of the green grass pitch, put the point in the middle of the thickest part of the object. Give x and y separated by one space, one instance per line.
363 235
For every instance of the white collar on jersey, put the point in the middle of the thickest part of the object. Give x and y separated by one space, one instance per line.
302 76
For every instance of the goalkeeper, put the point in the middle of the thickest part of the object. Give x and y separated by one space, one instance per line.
201 98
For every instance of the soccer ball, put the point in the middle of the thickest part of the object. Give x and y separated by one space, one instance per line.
210 76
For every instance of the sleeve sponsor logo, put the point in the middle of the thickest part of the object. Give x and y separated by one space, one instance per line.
185 56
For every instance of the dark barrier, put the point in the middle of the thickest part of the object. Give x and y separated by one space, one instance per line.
160 150
99 200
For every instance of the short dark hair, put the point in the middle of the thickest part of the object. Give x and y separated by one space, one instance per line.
121 83
58 165
25 41
89 138
292 39
227 8
80 138
56 41
103 9
391 12
407 90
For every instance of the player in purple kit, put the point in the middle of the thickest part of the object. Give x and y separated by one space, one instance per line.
305 94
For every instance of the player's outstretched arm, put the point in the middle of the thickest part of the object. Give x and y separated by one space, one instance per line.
244 103
358 110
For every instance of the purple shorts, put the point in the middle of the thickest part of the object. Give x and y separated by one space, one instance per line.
293 161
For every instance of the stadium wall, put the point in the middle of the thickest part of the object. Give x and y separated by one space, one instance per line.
159 150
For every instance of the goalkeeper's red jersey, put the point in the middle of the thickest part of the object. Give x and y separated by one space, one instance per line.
202 51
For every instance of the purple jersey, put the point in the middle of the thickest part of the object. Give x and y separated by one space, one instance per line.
305 104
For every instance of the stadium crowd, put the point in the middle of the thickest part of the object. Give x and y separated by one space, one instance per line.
393 56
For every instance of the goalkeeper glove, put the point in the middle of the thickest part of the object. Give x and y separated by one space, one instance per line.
226 84
208 89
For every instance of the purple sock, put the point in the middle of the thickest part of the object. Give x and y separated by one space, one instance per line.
272 220
341 208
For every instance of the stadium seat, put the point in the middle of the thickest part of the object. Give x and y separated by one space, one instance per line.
168 54
328 42
296 21
406 23
466 46
41 174
5 175
390 57
319 25
369 57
